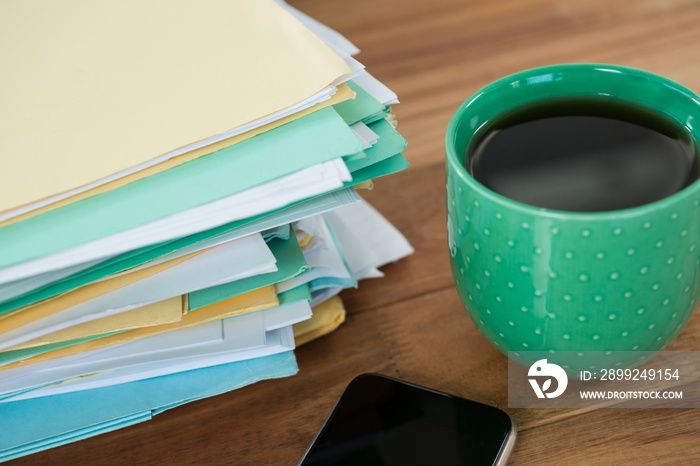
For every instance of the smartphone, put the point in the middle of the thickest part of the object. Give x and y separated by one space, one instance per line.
384 421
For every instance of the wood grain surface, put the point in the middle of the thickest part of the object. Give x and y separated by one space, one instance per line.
410 324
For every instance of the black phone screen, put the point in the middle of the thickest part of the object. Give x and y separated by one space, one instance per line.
383 421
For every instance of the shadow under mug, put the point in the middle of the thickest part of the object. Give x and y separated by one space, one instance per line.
534 279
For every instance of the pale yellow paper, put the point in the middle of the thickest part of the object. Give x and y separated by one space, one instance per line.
344 93
369 185
164 312
327 317
27 314
91 87
263 298
306 239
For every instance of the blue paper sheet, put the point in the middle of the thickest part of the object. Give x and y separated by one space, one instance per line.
34 425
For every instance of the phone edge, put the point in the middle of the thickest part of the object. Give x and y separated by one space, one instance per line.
508 445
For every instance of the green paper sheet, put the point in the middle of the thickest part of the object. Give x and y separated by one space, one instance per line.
393 164
299 293
362 107
281 232
390 143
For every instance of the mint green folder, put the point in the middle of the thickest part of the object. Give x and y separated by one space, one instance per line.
315 138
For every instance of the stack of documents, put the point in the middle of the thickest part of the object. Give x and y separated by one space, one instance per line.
179 208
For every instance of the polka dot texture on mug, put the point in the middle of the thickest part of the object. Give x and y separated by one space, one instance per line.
575 283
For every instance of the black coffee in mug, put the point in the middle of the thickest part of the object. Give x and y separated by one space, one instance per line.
583 155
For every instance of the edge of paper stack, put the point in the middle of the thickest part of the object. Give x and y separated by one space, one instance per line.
177 276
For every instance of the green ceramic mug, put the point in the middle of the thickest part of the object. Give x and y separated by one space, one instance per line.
534 279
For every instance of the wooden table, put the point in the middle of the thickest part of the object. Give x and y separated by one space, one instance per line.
411 324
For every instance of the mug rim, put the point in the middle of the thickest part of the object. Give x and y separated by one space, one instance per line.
455 163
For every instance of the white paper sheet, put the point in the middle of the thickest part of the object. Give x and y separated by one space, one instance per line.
367 240
376 89
367 137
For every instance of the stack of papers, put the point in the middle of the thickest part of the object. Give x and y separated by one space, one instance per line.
179 209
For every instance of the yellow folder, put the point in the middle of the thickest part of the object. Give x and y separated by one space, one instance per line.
262 298
163 312
92 87
327 316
